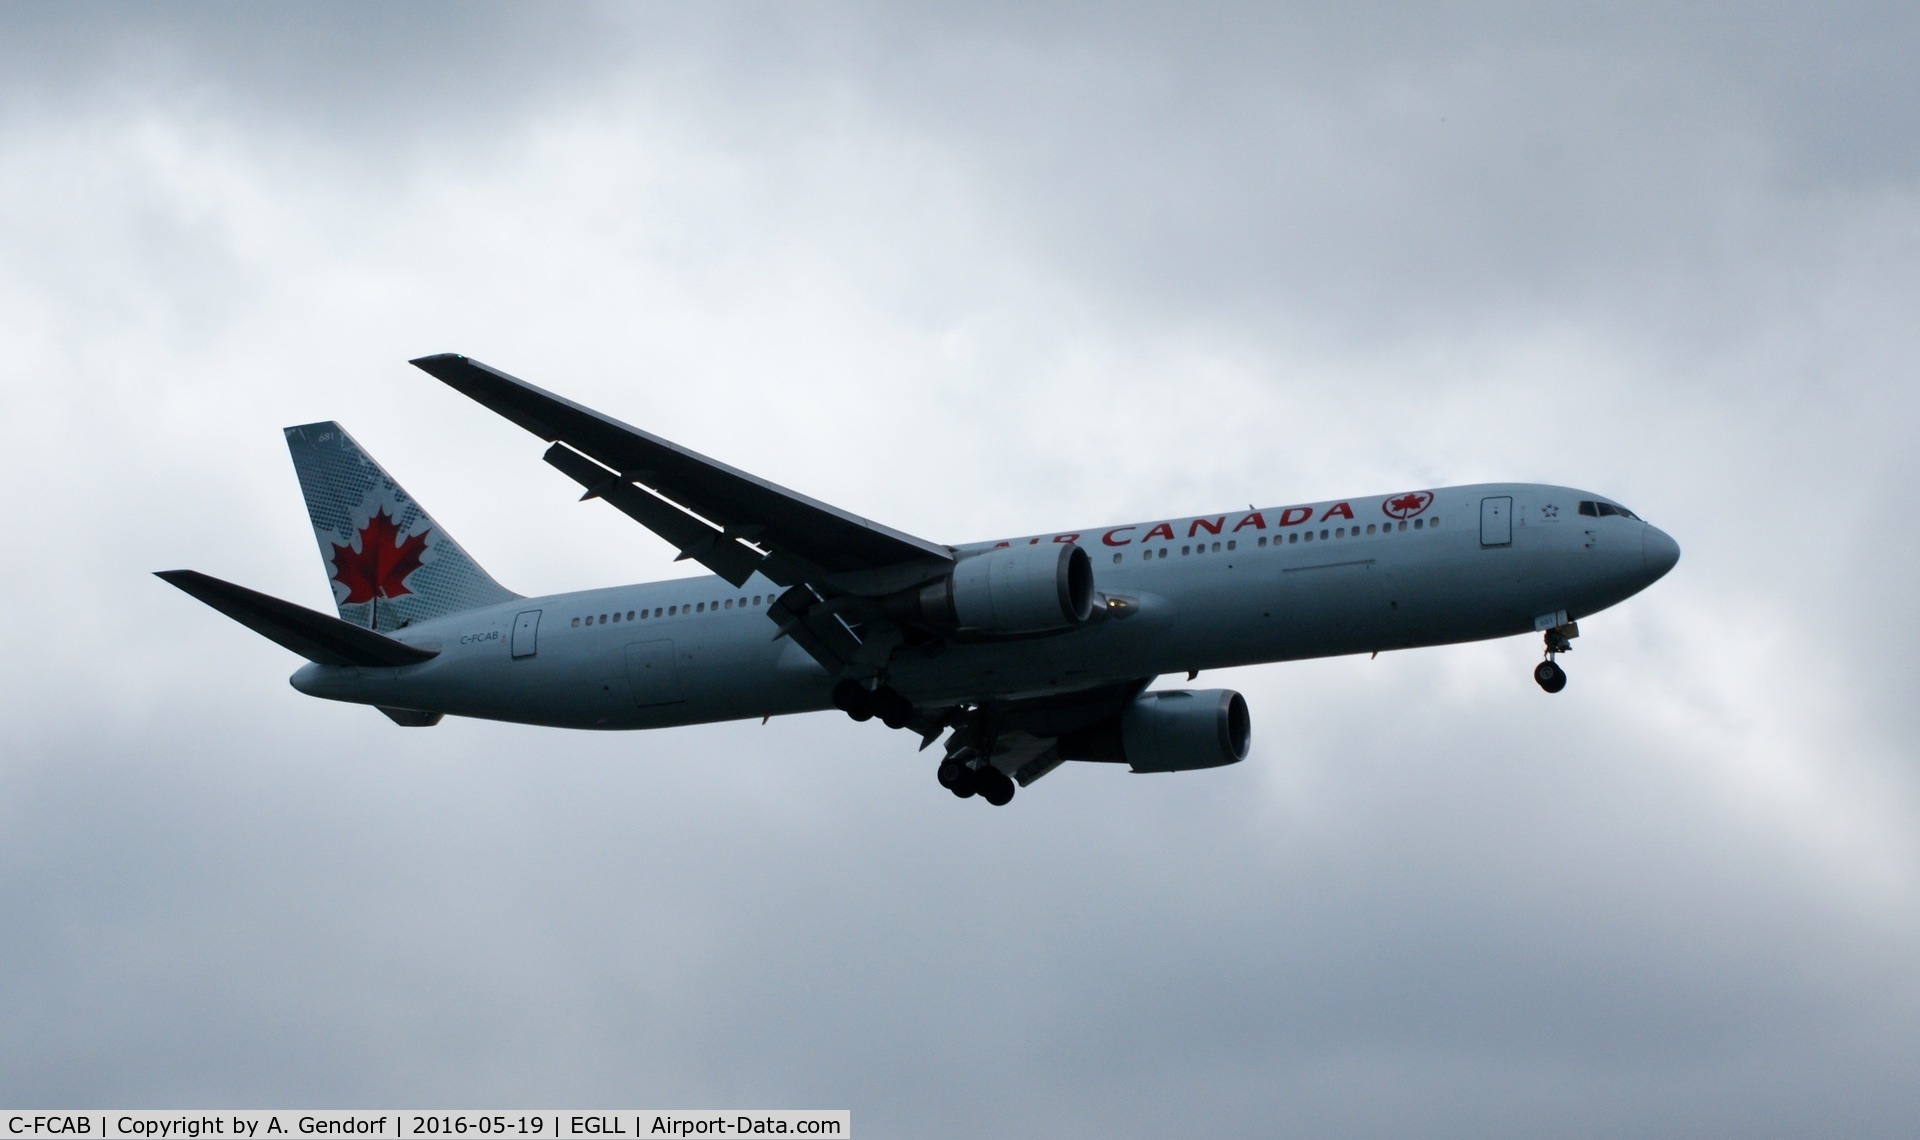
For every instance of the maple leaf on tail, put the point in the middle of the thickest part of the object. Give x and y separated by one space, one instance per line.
380 567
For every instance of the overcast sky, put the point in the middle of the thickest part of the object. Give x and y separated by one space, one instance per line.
975 270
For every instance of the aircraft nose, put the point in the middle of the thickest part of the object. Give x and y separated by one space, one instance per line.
1658 551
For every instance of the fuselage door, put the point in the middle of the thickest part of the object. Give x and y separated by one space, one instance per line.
653 674
526 631
1496 520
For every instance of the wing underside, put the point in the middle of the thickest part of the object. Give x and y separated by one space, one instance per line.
831 562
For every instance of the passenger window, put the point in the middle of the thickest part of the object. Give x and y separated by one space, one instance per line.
1323 535
1433 522
729 604
616 615
1340 532
629 615
1116 558
1369 528
1230 544
603 619
1418 523
1185 550
672 610
1403 524
576 623
701 608
1163 552
1263 540
1294 537
1216 548
1309 536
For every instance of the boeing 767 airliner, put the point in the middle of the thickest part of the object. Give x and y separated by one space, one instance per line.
1024 653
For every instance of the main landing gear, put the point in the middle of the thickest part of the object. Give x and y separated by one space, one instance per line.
1548 674
965 774
862 703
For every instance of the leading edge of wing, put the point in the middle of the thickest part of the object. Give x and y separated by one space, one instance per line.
834 540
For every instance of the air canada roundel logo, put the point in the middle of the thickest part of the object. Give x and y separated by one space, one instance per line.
1408 505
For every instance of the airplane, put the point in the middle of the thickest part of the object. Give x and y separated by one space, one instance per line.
1025 653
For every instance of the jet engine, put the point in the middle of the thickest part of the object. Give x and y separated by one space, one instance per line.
1007 590
1171 731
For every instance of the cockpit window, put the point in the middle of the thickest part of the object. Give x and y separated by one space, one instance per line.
1598 510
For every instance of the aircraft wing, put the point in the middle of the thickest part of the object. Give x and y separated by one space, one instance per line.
733 523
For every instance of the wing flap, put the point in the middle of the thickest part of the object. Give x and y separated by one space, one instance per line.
693 536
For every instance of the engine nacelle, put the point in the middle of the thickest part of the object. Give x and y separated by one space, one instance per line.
1171 731
1010 589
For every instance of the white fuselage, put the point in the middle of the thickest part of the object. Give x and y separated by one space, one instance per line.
1239 588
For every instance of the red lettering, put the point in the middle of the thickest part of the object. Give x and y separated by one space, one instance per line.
1111 541
1164 530
998 545
1341 509
1253 520
1289 518
1033 542
1066 538
1210 527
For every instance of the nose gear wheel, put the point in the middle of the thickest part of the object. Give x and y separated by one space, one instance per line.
1548 674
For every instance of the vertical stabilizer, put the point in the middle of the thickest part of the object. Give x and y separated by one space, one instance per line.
390 564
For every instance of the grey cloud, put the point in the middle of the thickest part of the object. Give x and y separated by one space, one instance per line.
1019 269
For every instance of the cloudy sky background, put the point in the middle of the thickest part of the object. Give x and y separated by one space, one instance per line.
972 271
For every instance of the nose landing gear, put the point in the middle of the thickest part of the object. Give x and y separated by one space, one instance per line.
1548 674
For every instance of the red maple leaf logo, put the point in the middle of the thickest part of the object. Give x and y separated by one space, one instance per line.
1408 505
380 567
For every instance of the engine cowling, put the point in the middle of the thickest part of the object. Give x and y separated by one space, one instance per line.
1172 731
1010 589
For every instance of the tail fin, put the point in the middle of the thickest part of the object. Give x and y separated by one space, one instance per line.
391 565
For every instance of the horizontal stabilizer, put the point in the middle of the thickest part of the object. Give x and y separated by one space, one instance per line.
317 637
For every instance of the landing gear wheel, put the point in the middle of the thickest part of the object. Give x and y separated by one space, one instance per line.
996 787
1550 676
894 710
958 776
852 698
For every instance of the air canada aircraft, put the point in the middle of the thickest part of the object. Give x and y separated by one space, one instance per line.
1023 653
